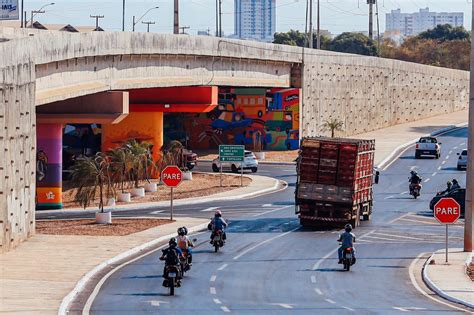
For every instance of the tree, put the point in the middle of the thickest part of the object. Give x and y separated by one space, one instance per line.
446 32
296 38
354 43
332 125
141 160
121 162
91 174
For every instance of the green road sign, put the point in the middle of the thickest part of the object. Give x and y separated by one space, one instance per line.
231 153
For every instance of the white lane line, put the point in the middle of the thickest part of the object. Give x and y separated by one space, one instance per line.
400 309
157 212
313 279
427 180
225 309
213 278
209 209
404 193
419 221
439 168
462 144
348 308
389 197
450 151
267 205
411 272
399 236
222 267
442 163
217 301
412 168
283 305
270 211
455 147
318 291
447 157
377 238
330 301
396 219
264 242
212 290
157 303
434 174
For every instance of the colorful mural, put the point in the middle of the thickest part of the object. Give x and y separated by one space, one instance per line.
49 166
248 116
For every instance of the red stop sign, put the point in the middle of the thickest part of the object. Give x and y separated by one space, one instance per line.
171 176
447 210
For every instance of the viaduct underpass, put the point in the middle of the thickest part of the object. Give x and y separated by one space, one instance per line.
47 77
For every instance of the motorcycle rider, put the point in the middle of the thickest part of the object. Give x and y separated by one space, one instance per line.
415 179
218 224
455 185
347 240
449 187
171 256
185 244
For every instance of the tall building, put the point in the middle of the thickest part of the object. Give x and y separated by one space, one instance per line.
410 24
255 19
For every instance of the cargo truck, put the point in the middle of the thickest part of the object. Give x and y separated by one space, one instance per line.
334 182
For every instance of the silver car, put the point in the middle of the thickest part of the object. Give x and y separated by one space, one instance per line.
250 163
462 161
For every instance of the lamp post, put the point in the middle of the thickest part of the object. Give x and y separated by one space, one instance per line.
123 16
135 22
34 12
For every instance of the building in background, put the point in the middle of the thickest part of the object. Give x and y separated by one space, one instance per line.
411 24
255 19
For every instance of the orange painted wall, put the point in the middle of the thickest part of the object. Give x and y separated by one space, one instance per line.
143 126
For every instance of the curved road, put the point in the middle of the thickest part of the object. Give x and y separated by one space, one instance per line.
272 266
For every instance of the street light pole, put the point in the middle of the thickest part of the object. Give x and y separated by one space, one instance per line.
310 24
123 16
318 44
135 22
34 12
22 15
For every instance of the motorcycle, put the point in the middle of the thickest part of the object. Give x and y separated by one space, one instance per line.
218 240
172 278
348 258
415 190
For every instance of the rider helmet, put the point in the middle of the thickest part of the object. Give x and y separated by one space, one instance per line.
181 231
449 184
413 172
173 242
218 213
455 181
348 228
185 230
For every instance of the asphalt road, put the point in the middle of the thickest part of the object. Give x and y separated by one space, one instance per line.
272 266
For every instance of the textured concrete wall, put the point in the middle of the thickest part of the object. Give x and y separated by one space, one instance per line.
18 153
372 93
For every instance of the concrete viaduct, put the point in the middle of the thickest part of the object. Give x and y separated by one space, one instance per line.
55 77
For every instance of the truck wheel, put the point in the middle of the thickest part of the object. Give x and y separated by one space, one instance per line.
459 168
417 155
366 217
438 155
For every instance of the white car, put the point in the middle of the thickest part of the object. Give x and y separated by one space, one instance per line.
462 161
250 163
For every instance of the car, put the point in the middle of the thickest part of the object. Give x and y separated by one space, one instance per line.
428 146
458 194
462 161
250 163
191 158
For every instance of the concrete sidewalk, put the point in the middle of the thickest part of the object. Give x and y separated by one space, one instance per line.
450 280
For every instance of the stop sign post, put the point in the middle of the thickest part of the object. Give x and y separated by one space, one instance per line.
171 176
447 211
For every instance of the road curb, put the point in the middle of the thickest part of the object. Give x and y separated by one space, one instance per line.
81 284
437 290
178 202
402 147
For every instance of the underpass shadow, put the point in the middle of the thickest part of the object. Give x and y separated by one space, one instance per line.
263 225
144 277
330 270
450 168
143 294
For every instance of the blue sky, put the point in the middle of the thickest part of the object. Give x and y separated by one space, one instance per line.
336 15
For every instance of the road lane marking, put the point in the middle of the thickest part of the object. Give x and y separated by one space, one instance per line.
396 219
222 267
412 168
264 242
157 212
450 151
444 162
447 157
411 273
318 291
267 205
427 180
377 238
348 308
209 209
225 309
404 193
389 197
313 279
419 221
439 168
399 236
400 309
434 174
462 144
407 309
157 303
270 211
455 147
283 305
330 301
217 301
213 278
212 290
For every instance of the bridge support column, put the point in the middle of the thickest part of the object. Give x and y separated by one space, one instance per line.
49 166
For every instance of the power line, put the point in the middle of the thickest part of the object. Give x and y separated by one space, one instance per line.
97 17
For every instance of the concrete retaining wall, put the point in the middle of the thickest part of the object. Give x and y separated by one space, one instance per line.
366 93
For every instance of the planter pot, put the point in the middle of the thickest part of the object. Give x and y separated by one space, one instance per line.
187 175
124 197
111 202
138 192
103 217
150 187
260 155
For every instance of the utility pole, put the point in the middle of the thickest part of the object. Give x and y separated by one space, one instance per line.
33 13
183 28
220 18
217 17
371 18
469 211
148 25
176 17
22 15
97 17
310 24
318 44
123 16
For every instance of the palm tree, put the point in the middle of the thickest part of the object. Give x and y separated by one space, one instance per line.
142 161
332 125
121 163
172 154
91 174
